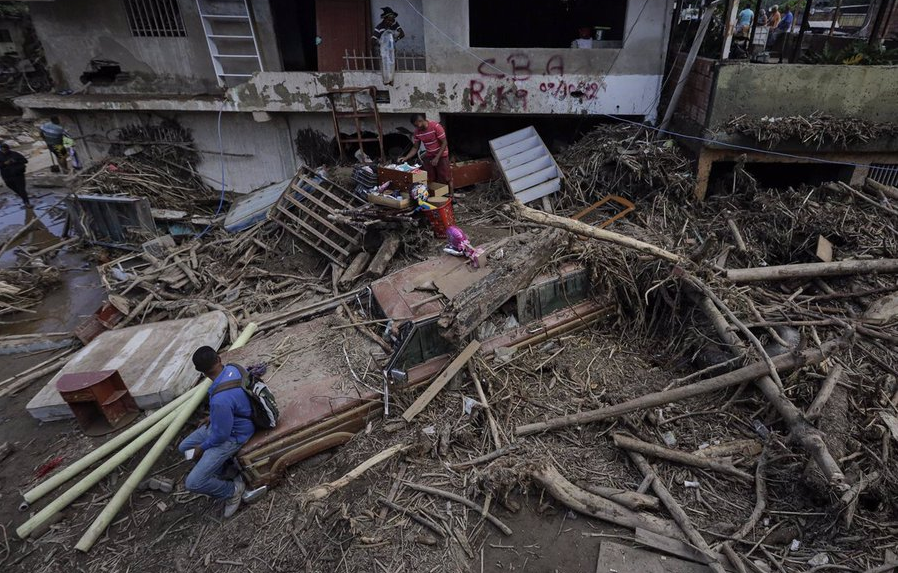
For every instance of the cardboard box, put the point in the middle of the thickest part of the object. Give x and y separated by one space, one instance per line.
401 180
438 189
388 201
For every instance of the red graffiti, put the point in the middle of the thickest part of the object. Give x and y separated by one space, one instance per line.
555 66
562 89
507 98
475 94
491 63
521 67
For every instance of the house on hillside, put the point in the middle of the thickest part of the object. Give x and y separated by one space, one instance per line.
260 67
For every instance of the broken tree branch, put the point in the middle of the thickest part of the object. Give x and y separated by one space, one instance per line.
784 362
811 270
599 507
656 451
760 498
826 390
462 500
322 491
585 230
677 513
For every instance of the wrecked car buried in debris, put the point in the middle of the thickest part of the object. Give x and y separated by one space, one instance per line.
321 407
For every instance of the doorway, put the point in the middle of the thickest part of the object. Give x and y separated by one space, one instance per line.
294 29
343 26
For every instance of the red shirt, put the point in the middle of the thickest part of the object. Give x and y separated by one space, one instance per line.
432 137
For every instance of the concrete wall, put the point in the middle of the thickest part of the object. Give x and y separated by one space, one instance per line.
74 32
864 92
412 24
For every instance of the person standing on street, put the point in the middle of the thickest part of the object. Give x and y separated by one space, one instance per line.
12 171
53 134
230 426
436 149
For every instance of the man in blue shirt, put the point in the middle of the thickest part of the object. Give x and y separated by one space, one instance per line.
786 23
53 134
230 426
743 25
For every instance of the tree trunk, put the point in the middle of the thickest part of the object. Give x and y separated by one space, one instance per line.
811 270
783 362
593 505
524 256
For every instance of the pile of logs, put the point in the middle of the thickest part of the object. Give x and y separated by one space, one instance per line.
815 130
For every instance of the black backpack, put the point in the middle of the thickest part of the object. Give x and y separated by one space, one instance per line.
265 411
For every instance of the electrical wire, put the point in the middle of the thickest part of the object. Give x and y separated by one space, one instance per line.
221 162
650 127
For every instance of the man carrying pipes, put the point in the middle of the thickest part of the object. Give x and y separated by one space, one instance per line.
230 425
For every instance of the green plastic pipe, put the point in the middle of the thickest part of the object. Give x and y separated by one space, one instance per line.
56 480
182 414
93 477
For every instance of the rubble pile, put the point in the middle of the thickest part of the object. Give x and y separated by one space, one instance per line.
152 161
24 287
817 129
623 160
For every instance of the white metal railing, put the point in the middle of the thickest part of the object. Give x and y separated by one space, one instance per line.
355 61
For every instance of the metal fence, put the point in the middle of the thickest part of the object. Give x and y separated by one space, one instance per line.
354 61
884 173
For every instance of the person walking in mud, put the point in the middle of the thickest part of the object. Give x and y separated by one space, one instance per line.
12 171
54 134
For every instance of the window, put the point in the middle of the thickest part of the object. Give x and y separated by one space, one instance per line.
545 23
425 343
155 18
540 300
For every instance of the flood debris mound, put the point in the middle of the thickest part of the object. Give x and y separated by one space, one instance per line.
817 129
612 158
23 288
733 404
153 161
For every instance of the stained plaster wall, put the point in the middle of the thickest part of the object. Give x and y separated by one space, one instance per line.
73 32
863 92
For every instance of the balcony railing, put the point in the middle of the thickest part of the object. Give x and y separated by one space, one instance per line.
354 61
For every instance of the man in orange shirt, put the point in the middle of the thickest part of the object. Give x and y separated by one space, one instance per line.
436 149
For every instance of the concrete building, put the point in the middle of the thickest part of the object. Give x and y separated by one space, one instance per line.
256 69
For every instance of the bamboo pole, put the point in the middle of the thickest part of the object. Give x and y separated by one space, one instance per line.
67 473
88 481
812 270
183 413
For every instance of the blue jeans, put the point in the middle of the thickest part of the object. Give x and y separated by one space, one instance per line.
204 477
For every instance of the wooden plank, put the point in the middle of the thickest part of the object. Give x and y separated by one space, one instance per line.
671 546
522 158
824 249
540 190
534 179
513 137
441 381
318 187
518 147
529 168
312 230
320 219
617 558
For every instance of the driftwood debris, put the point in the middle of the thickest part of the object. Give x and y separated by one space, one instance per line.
784 362
441 381
464 501
599 507
523 257
585 230
383 256
634 445
677 513
812 270
629 499
800 430
324 490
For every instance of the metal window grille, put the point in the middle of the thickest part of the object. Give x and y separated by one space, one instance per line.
884 173
354 61
155 18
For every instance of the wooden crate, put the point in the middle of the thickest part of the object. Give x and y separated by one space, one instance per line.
303 209
401 180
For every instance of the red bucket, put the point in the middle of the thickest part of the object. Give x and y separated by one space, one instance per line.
442 217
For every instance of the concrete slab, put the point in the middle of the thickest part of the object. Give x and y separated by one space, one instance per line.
153 360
